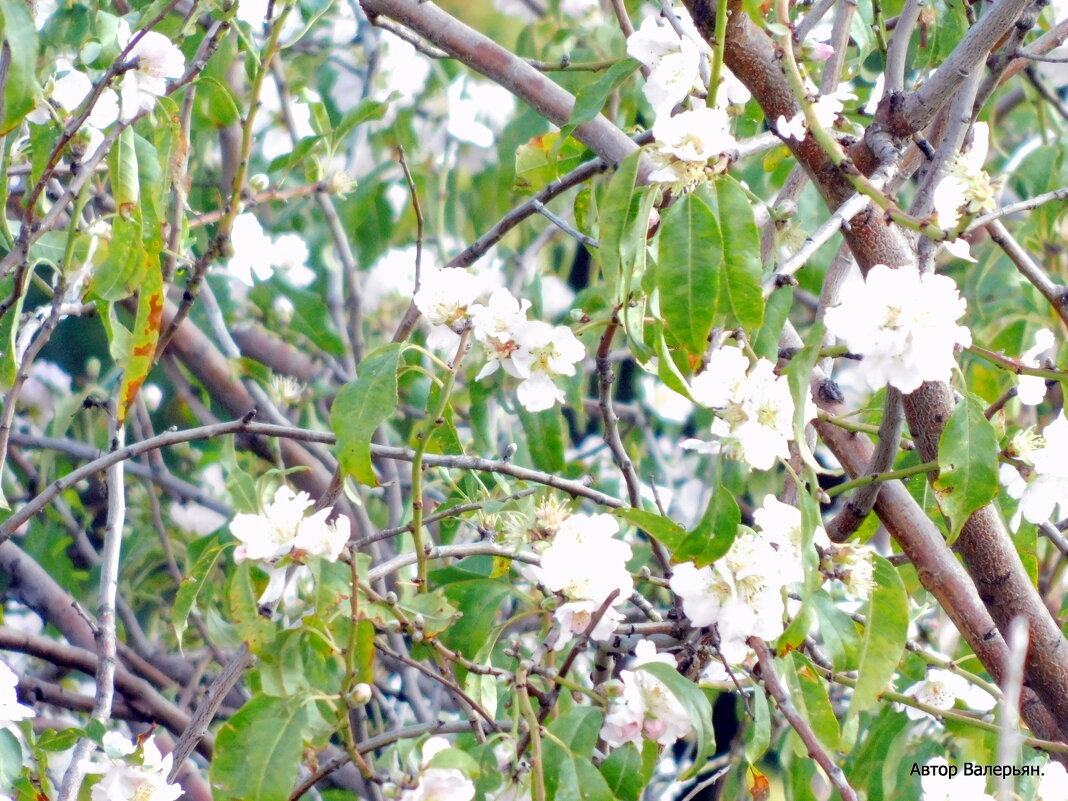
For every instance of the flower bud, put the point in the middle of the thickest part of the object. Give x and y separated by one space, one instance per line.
360 694
259 182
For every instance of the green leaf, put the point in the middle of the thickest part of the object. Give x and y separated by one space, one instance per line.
776 311
688 271
967 464
705 544
366 110
542 159
255 630
361 407
627 770
20 79
365 651
759 734
122 170
477 598
11 758
127 262
191 585
697 707
590 99
216 101
809 693
257 751
567 751
741 297
839 632
546 438
617 223
884 635
717 527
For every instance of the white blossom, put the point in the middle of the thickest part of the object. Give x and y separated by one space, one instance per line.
544 352
781 525
755 409
282 528
439 784
939 786
575 617
941 689
478 111
1032 388
826 109
646 706
124 781
674 63
495 325
11 710
697 135
290 256
585 562
741 593
666 403
903 324
965 187
252 248
196 518
1046 486
156 60
445 295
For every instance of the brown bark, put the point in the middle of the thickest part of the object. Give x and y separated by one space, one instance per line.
989 553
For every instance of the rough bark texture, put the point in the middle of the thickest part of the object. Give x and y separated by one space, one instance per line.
989 553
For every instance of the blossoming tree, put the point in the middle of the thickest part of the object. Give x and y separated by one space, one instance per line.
533 399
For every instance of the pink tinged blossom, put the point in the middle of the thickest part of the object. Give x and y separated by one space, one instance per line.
646 707
819 51
575 617
495 326
903 324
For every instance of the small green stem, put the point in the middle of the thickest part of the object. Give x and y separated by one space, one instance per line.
878 478
717 51
436 419
1015 366
537 768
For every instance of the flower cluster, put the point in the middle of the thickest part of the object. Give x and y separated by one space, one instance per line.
256 253
1042 484
966 187
126 780
585 564
903 324
645 707
687 141
742 593
530 350
439 784
754 407
281 529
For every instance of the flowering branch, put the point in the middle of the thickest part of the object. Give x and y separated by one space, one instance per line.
766 672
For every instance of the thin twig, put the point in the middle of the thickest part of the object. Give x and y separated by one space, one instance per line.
766 670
